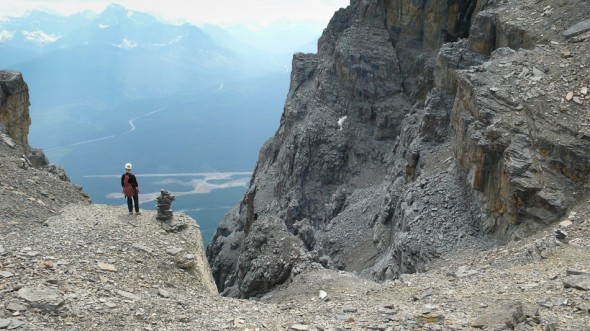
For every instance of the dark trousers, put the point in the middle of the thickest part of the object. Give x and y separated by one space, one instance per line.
130 202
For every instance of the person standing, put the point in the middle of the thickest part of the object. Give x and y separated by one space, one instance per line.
130 189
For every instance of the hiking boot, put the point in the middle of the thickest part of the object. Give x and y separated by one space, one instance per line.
130 213
137 213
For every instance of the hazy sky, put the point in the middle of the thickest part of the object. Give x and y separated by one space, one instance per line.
220 12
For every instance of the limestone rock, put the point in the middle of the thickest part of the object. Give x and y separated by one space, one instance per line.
185 261
128 295
566 223
580 282
8 141
22 164
316 179
365 195
560 234
143 248
47 299
570 271
577 29
13 306
107 267
4 323
502 316
163 293
14 107
174 225
175 250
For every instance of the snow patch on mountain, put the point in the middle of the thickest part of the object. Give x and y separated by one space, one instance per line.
40 37
6 35
127 44
341 122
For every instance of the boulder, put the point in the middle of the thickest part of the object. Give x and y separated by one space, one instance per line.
47 299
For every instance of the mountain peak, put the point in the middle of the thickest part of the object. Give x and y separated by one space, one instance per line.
115 14
115 8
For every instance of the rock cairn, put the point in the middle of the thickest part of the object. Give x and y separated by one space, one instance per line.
165 214
164 203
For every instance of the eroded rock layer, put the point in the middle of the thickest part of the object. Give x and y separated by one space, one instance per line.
419 128
14 106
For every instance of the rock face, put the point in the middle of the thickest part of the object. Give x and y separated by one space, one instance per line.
14 106
15 121
420 128
31 189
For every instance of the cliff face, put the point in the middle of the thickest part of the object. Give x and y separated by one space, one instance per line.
393 151
14 106
31 189
15 121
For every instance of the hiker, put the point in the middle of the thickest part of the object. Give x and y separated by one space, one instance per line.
130 189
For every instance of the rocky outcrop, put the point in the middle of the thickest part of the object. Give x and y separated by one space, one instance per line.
15 121
95 265
394 151
31 189
14 106
96 268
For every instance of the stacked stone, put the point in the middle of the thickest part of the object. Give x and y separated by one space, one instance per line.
164 203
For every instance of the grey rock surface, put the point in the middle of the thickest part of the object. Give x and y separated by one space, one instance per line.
404 140
14 107
581 282
46 299
577 29
4 323
150 289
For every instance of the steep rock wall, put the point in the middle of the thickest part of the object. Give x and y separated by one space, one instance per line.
31 189
321 183
392 152
14 106
15 121
518 136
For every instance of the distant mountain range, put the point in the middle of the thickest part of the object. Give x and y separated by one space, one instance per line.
127 54
40 32
123 86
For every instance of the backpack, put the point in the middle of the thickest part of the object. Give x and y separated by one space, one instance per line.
127 187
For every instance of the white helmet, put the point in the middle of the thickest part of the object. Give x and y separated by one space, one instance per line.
128 166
